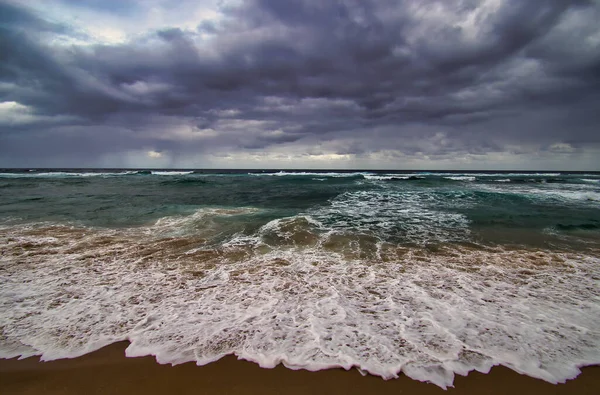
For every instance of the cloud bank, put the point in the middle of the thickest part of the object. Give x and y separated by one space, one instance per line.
406 84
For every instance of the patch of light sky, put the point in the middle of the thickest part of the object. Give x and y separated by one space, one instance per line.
13 114
102 25
442 14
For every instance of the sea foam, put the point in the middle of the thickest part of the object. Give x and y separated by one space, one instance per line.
171 173
430 314
303 173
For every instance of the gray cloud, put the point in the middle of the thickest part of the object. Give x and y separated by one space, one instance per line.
352 79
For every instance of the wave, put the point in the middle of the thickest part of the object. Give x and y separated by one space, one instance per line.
302 174
570 195
525 180
63 174
171 173
478 174
382 177
538 180
398 216
576 193
429 314
392 177
582 226
199 223
461 178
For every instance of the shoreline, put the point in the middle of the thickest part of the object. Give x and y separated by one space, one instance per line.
108 371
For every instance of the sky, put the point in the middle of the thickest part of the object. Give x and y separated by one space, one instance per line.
312 84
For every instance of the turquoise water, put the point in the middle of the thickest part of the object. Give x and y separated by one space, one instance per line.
425 273
492 208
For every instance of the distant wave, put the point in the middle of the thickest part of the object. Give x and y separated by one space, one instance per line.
385 177
461 178
63 174
33 174
171 173
312 174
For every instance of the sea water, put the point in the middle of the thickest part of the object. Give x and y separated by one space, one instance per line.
419 273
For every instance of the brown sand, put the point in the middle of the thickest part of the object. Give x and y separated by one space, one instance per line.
107 371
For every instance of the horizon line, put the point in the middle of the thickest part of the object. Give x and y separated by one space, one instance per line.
276 169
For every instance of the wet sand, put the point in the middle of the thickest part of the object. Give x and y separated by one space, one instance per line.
108 371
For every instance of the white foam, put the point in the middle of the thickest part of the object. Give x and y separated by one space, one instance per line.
461 178
62 174
303 173
585 196
427 315
200 223
574 193
544 174
592 180
492 174
171 173
385 177
400 215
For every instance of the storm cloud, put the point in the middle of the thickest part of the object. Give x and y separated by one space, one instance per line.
300 84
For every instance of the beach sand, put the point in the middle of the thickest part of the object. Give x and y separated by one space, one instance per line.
108 371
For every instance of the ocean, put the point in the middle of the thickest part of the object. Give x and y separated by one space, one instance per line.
428 274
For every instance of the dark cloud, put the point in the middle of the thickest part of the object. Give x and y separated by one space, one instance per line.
16 18
430 78
109 6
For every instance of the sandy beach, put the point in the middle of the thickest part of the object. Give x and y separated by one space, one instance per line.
108 371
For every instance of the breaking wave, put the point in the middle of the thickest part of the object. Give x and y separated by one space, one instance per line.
300 292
